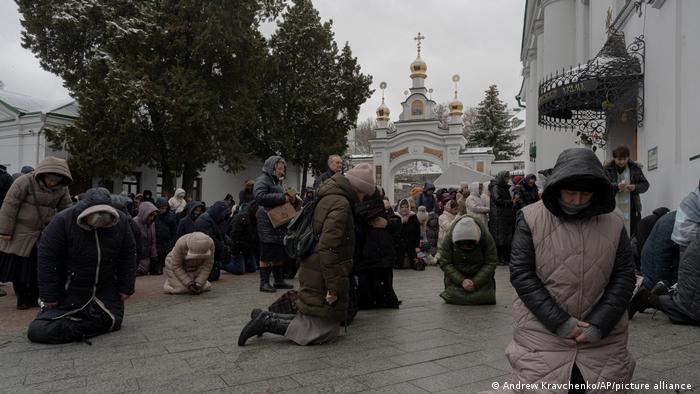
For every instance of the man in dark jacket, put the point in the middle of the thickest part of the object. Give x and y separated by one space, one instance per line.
87 263
335 165
427 198
166 227
628 182
186 224
323 276
525 192
572 269
210 223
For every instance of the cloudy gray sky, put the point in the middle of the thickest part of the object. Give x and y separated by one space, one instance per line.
477 39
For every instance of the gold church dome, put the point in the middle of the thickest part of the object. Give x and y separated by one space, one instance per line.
419 68
456 107
383 112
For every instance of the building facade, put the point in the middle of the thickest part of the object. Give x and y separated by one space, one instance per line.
570 51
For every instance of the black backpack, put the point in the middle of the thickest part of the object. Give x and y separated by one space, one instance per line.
301 237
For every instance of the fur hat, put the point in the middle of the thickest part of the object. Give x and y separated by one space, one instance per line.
361 179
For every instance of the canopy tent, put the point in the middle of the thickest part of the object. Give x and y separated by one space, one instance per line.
456 174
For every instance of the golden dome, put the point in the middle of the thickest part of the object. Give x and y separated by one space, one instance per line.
383 112
456 107
418 68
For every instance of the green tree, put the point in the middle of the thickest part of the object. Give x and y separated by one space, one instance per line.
171 84
491 128
314 91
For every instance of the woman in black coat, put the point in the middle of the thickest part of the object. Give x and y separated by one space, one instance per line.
87 263
210 223
407 241
501 217
375 255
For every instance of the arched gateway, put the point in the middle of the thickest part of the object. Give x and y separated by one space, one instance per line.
417 135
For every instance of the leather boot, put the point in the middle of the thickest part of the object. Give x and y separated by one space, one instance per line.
257 312
639 302
263 323
265 280
660 288
278 273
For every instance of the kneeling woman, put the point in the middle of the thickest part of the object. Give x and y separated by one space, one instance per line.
468 257
188 265
323 276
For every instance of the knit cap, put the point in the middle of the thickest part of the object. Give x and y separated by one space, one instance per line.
361 178
466 229
198 246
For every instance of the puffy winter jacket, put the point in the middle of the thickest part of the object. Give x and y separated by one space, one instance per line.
269 193
688 295
328 267
565 266
23 217
78 264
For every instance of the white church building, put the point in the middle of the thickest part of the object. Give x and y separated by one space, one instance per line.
608 72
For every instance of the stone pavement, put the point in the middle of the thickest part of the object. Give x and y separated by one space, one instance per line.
188 344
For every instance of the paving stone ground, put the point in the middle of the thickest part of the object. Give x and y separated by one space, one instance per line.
188 344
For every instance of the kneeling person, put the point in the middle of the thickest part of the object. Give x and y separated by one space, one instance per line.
86 269
188 265
468 257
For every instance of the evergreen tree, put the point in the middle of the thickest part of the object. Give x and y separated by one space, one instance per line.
171 84
491 128
314 91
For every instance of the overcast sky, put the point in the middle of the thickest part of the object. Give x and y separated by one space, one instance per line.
477 39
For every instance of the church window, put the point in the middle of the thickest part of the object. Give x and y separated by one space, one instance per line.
417 108
480 166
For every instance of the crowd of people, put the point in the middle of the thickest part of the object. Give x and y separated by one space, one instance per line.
574 248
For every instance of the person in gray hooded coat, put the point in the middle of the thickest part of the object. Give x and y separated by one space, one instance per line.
269 193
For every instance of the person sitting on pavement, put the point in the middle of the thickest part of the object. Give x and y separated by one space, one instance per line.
687 220
323 276
166 226
468 258
148 252
660 257
681 303
643 230
407 240
188 265
186 224
87 262
210 223
572 269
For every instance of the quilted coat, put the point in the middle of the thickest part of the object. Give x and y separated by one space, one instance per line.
566 266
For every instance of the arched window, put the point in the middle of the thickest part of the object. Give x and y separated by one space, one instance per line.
417 108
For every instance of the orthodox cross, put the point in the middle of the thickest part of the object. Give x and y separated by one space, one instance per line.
418 38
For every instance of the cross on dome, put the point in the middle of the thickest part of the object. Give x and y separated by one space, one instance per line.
419 38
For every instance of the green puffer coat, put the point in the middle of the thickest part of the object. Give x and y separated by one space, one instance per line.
330 264
479 265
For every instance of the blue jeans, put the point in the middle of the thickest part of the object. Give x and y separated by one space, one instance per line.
240 263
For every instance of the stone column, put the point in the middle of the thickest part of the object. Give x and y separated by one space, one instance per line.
531 94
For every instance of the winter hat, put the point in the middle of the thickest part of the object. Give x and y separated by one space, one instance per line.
422 215
415 191
517 179
466 229
361 178
199 246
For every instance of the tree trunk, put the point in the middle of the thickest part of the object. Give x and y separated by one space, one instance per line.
168 181
303 177
189 173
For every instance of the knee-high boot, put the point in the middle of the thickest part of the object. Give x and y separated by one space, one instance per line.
263 323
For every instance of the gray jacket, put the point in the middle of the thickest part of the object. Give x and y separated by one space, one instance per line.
269 193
